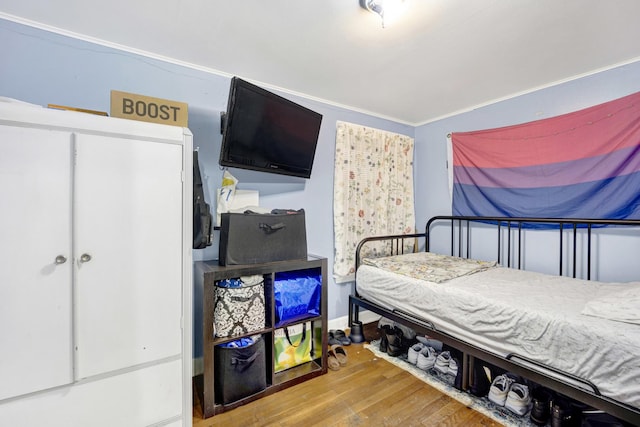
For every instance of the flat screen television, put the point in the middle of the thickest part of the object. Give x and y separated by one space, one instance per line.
265 132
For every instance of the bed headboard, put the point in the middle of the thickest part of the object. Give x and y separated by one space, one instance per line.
574 237
573 242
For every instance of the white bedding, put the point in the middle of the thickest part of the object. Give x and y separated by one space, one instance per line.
620 305
532 314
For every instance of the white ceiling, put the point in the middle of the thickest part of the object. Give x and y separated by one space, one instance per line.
443 57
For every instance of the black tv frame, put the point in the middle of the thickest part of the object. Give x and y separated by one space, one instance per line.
228 118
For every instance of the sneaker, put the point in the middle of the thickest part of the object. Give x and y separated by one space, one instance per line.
412 354
426 358
518 399
442 362
499 389
453 367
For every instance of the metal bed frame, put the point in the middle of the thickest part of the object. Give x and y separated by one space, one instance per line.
507 229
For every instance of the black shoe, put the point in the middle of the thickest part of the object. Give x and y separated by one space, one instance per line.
562 414
340 336
332 339
395 340
457 382
384 342
541 410
480 385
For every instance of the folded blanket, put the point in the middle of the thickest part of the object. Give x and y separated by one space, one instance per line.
429 266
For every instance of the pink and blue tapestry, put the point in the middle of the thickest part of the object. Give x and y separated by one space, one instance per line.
584 164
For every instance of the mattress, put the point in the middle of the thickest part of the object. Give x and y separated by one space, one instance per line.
570 324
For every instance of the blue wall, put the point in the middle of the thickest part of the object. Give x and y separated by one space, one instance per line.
431 178
431 175
43 68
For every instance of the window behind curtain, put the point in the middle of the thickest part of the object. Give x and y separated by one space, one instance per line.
373 191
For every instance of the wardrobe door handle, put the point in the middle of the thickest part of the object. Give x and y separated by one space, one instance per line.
85 258
61 259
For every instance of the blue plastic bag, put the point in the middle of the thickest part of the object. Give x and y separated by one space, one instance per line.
297 296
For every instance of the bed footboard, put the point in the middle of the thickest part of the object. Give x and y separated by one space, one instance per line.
391 245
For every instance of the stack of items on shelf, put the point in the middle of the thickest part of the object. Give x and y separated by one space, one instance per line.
261 321
250 234
241 368
270 322
297 298
231 199
239 309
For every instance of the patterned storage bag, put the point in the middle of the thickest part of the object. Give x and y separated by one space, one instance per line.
239 306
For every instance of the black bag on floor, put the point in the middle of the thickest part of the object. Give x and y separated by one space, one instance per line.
253 238
239 371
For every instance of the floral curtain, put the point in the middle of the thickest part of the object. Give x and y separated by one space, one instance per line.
373 191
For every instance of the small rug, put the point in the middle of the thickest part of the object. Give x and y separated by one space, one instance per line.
444 383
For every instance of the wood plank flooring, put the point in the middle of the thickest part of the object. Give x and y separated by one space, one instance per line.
368 391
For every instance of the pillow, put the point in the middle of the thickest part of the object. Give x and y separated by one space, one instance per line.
623 306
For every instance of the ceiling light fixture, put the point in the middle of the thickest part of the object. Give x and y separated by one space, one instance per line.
388 10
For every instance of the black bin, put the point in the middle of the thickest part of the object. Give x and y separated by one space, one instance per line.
240 371
253 238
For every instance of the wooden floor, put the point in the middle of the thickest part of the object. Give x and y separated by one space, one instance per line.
368 391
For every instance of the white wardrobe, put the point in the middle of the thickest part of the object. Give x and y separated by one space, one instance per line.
95 270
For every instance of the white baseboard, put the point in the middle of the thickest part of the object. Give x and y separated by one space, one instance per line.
366 316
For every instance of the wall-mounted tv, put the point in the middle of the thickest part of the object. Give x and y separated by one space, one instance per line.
265 132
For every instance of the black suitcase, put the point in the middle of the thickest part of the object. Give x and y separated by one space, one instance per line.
253 238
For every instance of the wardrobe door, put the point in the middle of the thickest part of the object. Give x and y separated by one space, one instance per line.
128 245
36 260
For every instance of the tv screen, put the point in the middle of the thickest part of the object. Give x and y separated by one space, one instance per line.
265 132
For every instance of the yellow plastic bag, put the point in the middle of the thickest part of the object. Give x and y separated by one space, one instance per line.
292 346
